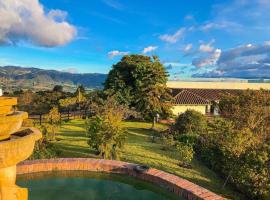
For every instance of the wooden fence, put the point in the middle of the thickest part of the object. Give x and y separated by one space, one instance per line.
64 116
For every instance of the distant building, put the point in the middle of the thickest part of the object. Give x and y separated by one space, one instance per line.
202 100
218 85
204 96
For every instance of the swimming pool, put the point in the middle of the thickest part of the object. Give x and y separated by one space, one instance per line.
81 185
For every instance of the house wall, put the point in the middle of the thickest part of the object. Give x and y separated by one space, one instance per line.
218 85
178 109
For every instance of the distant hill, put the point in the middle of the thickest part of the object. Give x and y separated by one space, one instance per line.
14 77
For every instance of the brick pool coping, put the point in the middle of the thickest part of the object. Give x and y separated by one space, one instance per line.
179 186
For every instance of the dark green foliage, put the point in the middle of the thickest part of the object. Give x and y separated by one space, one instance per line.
40 102
190 123
238 145
58 88
191 139
44 150
249 109
168 142
140 82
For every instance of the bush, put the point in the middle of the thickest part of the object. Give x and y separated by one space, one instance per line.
185 154
52 123
106 135
44 150
189 139
167 142
190 123
239 155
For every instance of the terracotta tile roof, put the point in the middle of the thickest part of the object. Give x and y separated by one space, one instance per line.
199 96
213 94
188 98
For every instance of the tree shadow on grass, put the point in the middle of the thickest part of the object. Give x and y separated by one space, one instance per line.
71 139
143 131
72 134
68 150
77 124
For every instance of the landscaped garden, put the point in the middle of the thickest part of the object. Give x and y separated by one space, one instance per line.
71 141
235 145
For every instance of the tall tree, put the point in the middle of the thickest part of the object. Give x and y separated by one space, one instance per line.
52 123
140 82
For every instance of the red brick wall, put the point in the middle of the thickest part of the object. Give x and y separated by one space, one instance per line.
179 186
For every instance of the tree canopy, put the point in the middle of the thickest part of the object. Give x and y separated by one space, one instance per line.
140 81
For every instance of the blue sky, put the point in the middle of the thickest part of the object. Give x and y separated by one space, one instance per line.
209 38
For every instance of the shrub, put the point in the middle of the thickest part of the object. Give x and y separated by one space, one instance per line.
44 150
189 139
190 122
106 135
185 154
52 123
167 142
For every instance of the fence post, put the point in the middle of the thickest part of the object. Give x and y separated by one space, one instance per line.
40 119
60 119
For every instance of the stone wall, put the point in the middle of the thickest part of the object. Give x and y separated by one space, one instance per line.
179 186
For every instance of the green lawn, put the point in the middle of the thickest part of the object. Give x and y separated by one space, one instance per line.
72 142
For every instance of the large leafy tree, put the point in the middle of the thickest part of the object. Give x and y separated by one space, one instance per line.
140 82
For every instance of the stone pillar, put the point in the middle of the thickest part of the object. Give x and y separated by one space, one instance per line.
8 188
13 149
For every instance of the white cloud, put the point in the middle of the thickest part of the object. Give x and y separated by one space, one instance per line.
149 49
224 24
174 37
187 48
209 60
245 61
189 17
26 20
241 18
57 15
267 42
115 53
114 4
206 48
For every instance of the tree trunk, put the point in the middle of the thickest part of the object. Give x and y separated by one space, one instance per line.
229 175
227 179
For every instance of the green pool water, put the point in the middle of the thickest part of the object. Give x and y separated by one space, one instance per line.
74 185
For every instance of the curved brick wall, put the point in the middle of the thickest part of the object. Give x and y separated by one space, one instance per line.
179 186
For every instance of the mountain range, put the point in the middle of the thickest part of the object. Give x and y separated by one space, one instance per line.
15 78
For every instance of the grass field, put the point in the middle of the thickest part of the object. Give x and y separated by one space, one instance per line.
72 142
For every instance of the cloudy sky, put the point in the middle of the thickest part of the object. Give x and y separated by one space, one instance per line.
209 38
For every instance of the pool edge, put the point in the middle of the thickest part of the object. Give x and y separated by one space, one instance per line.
179 186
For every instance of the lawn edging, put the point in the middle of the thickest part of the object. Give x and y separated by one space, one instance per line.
179 186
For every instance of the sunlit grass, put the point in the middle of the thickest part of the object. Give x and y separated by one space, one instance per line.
139 148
